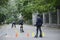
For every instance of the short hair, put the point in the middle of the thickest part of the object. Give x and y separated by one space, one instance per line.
38 15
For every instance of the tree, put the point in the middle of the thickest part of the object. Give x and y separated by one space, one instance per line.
27 7
57 4
2 17
3 2
30 6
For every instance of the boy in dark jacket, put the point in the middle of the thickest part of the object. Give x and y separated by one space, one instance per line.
13 24
21 27
38 26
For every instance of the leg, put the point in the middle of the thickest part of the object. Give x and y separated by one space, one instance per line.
40 32
15 25
36 32
12 26
21 28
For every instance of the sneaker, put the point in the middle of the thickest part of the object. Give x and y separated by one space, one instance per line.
40 36
22 31
36 36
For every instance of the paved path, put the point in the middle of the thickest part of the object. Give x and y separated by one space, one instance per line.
8 33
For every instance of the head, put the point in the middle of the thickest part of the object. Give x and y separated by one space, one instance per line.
38 15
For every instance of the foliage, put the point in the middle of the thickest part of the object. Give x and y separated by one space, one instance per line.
9 9
2 18
27 7
38 5
3 2
57 4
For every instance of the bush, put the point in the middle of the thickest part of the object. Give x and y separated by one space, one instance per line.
29 22
9 20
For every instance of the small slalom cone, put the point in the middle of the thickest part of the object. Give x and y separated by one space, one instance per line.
27 35
43 34
17 34
33 34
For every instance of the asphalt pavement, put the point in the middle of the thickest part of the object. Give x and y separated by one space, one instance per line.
8 33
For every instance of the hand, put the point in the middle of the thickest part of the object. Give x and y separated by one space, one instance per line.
35 25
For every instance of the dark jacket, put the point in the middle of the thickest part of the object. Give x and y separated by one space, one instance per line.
21 22
39 21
